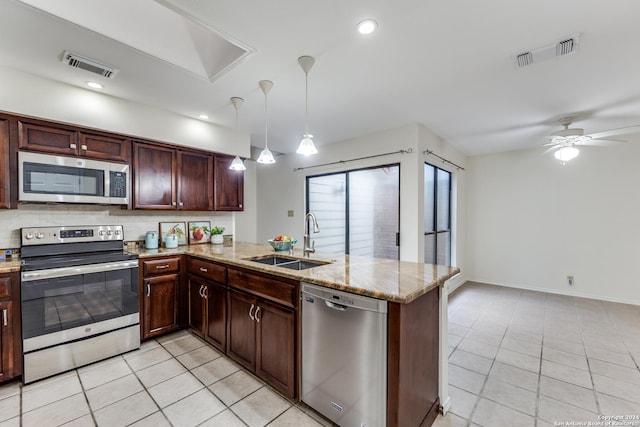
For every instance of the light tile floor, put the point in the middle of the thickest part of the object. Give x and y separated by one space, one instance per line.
516 358
530 359
175 380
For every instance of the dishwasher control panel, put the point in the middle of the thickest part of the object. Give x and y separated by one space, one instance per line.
346 299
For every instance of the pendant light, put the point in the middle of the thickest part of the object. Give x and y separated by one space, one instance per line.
237 164
306 147
265 156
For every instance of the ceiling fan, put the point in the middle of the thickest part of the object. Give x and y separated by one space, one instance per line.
563 142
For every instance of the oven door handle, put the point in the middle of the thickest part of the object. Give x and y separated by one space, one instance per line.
28 276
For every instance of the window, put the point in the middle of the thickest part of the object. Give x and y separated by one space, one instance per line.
437 215
358 211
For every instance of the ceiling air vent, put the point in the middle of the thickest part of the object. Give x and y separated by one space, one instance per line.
562 48
77 61
524 59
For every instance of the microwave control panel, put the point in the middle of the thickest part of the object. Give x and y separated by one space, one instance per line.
118 185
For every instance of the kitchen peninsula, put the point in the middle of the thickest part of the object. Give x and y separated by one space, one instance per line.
411 289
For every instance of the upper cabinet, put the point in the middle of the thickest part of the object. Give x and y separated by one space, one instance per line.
5 173
167 178
69 141
228 186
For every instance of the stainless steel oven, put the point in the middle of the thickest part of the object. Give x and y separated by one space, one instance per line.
79 298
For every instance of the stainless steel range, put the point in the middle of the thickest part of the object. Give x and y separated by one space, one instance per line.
79 296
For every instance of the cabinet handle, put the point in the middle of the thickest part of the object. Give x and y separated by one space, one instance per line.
173 203
251 310
5 320
84 147
200 291
162 267
180 204
239 206
148 290
256 314
205 292
72 146
204 269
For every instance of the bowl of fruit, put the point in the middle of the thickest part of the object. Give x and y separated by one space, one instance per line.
282 243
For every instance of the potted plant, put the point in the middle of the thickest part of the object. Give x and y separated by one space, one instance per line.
216 235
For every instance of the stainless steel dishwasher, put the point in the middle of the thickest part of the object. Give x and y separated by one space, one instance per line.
344 356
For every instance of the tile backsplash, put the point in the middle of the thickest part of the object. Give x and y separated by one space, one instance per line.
135 222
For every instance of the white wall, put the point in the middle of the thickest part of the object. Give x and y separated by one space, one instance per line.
246 227
532 221
26 94
281 189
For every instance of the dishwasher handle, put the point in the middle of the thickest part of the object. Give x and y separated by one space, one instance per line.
335 306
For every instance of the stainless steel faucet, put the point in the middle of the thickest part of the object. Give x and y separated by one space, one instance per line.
309 246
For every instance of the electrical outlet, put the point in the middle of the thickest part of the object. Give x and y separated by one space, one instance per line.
570 280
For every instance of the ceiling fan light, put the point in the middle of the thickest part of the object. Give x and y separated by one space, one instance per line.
237 164
565 154
306 147
266 157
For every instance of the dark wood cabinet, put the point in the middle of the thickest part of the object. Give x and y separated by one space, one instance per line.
195 181
154 171
10 341
208 301
228 186
160 295
5 165
261 328
69 141
170 179
275 346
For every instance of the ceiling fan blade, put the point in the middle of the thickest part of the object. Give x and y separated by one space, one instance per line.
620 131
550 150
604 142
550 144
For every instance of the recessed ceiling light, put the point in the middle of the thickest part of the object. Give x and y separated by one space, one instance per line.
94 85
203 116
367 26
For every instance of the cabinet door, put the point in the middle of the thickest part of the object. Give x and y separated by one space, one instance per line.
228 186
154 174
196 305
104 147
6 341
275 343
241 329
216 318
160 304
195 188
47 139
5 175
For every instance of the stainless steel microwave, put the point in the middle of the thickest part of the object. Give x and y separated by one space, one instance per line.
59 179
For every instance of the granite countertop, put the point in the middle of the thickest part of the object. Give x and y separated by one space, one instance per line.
391 280
10 265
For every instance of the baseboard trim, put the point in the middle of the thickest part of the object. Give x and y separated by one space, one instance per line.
553 291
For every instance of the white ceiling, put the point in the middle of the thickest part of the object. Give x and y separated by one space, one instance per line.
444 63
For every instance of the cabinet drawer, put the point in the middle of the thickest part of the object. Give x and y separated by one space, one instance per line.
160 266
271 288
208 270
5 287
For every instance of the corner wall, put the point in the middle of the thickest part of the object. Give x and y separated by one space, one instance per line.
533 222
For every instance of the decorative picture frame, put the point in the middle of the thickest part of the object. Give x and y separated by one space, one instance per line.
199 232
177 227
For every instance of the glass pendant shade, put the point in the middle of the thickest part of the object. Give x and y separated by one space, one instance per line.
237 164
306 147
565 154
266 157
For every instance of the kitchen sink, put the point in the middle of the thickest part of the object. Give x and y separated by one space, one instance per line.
287 262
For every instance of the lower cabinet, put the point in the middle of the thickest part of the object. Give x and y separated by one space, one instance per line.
261 329
10 341
208 301
160 293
